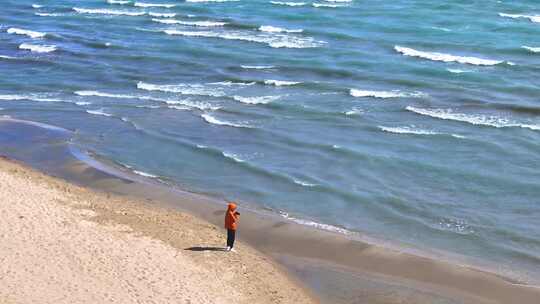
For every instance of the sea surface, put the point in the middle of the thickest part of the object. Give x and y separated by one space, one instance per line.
414 123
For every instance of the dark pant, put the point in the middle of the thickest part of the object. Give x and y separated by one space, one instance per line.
231 235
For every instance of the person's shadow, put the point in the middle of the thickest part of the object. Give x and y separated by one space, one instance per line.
203 248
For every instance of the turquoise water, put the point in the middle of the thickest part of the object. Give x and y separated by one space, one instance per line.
414 122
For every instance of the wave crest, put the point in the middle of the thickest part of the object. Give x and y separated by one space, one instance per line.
31 34
444 57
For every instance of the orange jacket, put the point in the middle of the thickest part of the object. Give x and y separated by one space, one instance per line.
231 219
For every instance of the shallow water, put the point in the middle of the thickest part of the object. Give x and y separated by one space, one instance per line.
408 121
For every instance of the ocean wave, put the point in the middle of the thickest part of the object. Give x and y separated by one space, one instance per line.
142 173
303 183
354 111
532 18
7 57
457 71
288 3
256 99
121 2
31 34
444 29
47 14
257 67
186 89
103 11
147 107
474 119
101 94
273 29
384 94
83 103
38 48
37 6
233 157
316 225
444 57
271 39
162 15
338 1
203 1
231 83
531 49
144 4
13 97
279 83
99 112
191 23
407 130
214 121
203 106
327 5
181 108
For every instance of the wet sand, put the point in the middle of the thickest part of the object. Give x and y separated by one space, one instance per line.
337 268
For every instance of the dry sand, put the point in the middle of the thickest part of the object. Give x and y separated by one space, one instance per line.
65 244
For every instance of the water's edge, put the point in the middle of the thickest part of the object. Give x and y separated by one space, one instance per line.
336 267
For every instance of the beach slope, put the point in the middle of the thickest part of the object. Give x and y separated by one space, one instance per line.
66 244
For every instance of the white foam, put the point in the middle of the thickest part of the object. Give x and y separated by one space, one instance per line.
7 57
474 119
203 106
212 120
186 89
303 183
316 225
31 34
280 83
98 112
47 14
27 97
532 49
101 94
37 6
233 157
457 71
532 18
256 99
384 94
354 111
181 108
407 130
327 5
121 2
162 15
273 40
445 57
83 103
230 83
103 11
142 173
38 48
274 29
191 23
444 29
144 4
257 67
288 3
203 1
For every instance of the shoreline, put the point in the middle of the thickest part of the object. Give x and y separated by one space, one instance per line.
319 259
85 246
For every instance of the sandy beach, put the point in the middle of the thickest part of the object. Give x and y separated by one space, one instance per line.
65 244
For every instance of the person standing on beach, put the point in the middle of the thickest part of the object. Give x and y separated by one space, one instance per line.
231 224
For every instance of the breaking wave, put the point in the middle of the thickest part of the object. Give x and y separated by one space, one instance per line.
121 2
273 29
186 89
256 99
103 11
474 119
99 112
271 39
532 49
101 94
257 67
384 94
162 15
38 48
214 121
279 83
327 5
532 18
444 57
31 34
143 4
191 23
288 3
